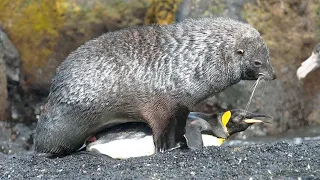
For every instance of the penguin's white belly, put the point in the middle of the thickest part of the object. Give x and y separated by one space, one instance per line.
127 148
209 140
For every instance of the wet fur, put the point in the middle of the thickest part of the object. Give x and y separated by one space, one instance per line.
153 73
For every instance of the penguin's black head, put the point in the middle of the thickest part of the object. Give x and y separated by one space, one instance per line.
219 125
240 120
225 124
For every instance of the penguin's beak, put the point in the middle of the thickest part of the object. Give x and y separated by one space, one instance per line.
253 121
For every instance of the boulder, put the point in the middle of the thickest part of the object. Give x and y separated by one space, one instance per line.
45 32
3 87
11 60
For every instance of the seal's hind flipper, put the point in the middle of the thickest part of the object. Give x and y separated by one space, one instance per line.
169 130
95 154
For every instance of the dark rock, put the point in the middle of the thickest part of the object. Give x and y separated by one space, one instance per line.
65 25
281 160
11 57
3 88
16 138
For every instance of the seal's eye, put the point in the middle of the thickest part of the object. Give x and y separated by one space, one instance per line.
257 63
240 51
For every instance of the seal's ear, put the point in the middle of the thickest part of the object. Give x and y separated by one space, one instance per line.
240 51
226 117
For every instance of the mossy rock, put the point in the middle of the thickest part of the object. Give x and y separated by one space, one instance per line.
45 32
161 12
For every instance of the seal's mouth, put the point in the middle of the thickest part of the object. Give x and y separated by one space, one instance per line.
267 77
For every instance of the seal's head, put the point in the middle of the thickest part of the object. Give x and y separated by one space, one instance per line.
241 48
253 54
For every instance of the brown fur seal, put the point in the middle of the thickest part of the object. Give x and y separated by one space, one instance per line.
154 73
135 139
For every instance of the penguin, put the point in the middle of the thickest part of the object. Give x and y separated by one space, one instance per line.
201 126
310 64
135 139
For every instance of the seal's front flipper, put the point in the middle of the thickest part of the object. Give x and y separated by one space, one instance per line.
171 135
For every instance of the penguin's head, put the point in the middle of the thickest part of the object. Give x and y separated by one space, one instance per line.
216 128
238 120
225 124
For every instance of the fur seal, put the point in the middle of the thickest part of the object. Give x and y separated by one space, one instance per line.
135 139
154 73
310 64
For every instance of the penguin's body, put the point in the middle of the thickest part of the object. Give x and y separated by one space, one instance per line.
135 139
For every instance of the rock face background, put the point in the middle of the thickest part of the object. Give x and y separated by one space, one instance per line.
3 88
45 32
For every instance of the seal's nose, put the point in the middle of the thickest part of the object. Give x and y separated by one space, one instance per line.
274 76
271 73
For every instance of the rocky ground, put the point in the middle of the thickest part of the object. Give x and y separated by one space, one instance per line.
265 161
293 154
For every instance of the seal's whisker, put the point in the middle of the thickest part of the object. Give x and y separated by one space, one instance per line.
264 88
255 87
261 75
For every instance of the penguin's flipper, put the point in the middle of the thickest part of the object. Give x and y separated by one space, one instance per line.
194 128
193 136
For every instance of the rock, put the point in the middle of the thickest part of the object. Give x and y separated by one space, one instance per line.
16 138
3 88
161 12
11 57
45 38
279 160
